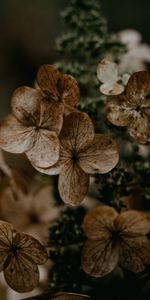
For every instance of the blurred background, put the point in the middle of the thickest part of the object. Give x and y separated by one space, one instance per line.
28 30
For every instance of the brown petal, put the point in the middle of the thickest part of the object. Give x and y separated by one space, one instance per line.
99 221
77 131
60 296
135 253
101 157
138 87
69 296
47 79
32 248
51 115
25 105
21 273
14 137
56 168
139 129
6 233
73 184
100 257
145 107
45 151
132 222
69 90
118 111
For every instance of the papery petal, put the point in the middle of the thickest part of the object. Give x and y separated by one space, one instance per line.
138 87
118 111
69 90
45 151
107 71
58 166
98 222
139 128
21 273
135 253
101 157
77 131
47 79
32 248
60 296
145 107
14 137
109 89
132 222
100 257
69 296
6 233
73 184
3 255
25 105
51 115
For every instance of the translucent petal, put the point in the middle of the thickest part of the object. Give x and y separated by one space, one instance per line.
101 157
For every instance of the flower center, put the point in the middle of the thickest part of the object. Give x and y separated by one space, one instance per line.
74 156
34 218
14 248
115 236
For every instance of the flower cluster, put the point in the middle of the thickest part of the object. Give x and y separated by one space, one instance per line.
56 138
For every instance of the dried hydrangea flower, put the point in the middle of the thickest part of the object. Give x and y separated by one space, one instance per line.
19 256
114 239
133 108
37 210
33 127
61 296
137 53
108 73
62 88
82 152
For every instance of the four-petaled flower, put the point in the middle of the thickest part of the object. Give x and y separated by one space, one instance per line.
33 127
82 152
133 108
20 254
62 88
36 208
114 239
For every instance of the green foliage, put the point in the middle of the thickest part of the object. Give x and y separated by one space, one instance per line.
84 45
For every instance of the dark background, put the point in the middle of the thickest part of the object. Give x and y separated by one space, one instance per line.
28 29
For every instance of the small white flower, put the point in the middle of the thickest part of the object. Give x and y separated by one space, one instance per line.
112 81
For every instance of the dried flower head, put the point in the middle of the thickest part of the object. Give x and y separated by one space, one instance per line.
108 73
19 256
82 153
36 208
114 239
61 296
33 127
62 88
133 108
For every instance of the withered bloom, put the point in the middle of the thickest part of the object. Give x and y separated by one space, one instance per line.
19 256
33 127
132 109
60 296
32 213
62 88
82 152
114 239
